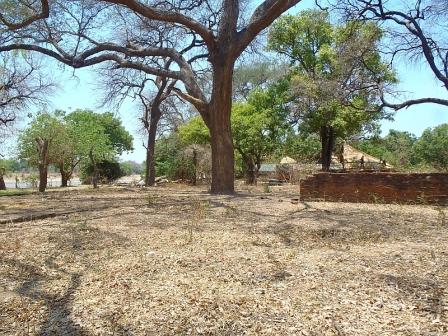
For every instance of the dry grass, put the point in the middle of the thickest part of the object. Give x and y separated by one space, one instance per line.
177 261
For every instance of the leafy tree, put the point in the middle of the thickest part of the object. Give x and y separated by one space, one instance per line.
432 147
171 158
302 147
40 143
396 148
101 138
335 77
258 126
107 170
194 132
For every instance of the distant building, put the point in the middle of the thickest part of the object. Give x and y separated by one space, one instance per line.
356 159
267 169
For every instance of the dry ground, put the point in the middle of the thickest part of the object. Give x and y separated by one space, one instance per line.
177 261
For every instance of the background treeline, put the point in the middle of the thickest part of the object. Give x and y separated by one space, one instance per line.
81 140
407 152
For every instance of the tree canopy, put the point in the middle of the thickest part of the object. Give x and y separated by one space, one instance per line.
432 147
336 75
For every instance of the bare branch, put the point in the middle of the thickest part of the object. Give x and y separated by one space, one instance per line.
168 16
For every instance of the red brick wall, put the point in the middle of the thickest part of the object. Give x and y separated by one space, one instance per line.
376 187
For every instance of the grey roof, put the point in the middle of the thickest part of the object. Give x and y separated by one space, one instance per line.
268 168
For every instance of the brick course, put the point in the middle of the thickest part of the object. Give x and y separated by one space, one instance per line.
376 187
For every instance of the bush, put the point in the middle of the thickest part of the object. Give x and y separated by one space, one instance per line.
108 172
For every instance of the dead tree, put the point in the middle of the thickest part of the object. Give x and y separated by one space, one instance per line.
21 84
218 29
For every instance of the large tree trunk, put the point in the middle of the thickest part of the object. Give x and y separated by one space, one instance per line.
195 166
150 169
65 176
43 176
95 171
327 138
42 146
223 170
251 172
2 182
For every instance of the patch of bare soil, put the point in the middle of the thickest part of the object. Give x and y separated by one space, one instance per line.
177 261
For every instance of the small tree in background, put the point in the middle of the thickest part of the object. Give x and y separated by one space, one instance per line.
100 138
432 147
40 143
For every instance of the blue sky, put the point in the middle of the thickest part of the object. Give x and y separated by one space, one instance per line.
415 80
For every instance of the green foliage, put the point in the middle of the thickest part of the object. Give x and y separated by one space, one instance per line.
108 170
396 148
170 157
119 138
299 37
99 138
131 167
432 147
77 137
259 125
86 126
194 132
335 71
303 148
13 166
48 126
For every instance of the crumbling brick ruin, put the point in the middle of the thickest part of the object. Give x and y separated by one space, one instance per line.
376 187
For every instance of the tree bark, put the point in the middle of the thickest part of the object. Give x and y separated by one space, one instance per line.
2 182
250 173
64 176
223 167
327 138
42 146
195 166
43 176
95 171
150 169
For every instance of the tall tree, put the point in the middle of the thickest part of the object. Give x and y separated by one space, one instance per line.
336 75
215 32
259 126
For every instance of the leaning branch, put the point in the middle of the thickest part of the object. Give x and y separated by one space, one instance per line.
411 102
168 16
261 18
